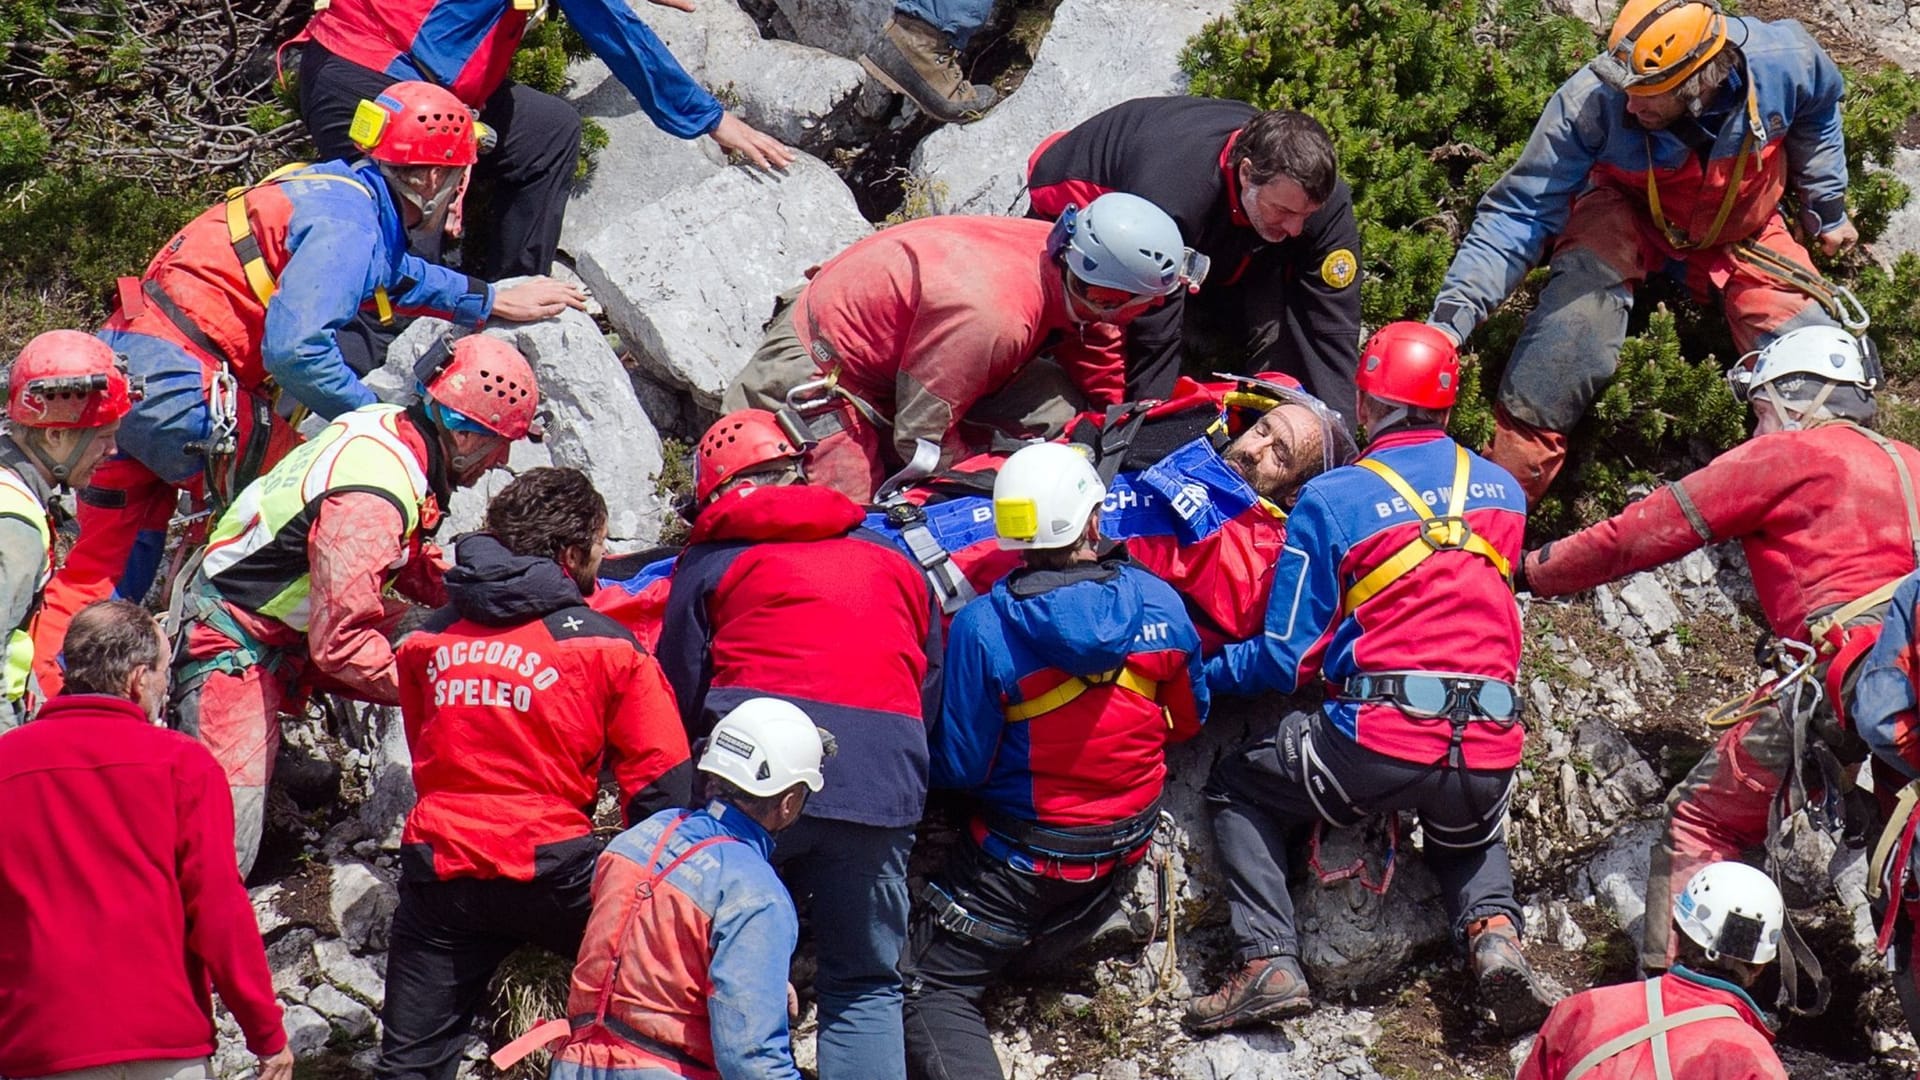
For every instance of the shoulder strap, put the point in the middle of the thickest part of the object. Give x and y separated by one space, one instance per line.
254 262
1655 1031
1075 685
1906 484
1436 533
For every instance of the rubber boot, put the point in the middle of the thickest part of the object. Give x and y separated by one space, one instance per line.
1264 989
913 58
1503 980
1533 455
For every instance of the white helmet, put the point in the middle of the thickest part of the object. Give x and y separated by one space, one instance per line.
1043 496
765 746
1802 369
1731 909
1122 241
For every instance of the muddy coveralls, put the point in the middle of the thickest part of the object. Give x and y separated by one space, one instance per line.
1618 203
1827 519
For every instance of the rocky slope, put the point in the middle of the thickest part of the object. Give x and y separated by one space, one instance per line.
684 255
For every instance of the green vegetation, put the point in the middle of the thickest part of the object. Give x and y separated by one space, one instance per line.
1428 104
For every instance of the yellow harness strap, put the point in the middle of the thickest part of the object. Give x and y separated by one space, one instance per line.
1674 236
1074 686
1449 533
254 262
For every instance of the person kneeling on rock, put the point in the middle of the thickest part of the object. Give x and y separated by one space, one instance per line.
684 969
1406 617
1064 686
1696 1022
919 328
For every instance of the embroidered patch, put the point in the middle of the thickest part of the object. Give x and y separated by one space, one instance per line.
1339 269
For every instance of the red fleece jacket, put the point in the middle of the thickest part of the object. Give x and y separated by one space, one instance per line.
120 903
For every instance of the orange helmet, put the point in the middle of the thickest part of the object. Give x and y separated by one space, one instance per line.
416 123
1656 44
69 379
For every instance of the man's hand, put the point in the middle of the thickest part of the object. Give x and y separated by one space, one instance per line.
735 136
279 1066
1838 239
677 5
793 996
541 298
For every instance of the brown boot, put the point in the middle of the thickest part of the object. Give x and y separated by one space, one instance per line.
1502 978
1267 988
913 58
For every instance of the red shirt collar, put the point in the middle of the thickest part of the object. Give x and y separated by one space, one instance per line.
91 705
1235 212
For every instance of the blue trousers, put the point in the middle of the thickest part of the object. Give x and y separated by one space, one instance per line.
854 879
958 19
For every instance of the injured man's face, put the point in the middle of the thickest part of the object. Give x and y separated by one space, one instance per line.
1284 449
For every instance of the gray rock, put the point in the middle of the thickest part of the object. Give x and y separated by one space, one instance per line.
639 164
1244 1055
354 974
348 1014
390 795
1616 876
1098 53
1648 600
1353 939
266 912
804 96
1803 871
1617 767
307 1031
595 422
1903 229
362 904
689 280
291 959
846 27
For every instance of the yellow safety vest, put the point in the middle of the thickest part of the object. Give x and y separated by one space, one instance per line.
257 553
1449 533
17 500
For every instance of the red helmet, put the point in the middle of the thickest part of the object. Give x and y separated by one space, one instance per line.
488 384
1410 363
69 379
416 123
736 443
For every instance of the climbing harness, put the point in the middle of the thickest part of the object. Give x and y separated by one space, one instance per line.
1448 532
1749 147
1654 1031
1070 689
1165 913
1838 300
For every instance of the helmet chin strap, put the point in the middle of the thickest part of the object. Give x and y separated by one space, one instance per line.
61 469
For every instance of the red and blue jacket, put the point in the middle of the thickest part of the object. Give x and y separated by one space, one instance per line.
782 593
1096 757
1585 139
516 696
683 968
1452 612
1883 708
329 244
467 46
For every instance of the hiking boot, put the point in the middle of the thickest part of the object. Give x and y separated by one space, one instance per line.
1502 978
913 58
1264 989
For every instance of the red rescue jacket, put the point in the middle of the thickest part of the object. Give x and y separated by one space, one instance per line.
514 697
1721 1048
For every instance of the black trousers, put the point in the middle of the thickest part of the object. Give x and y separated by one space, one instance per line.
448 940
947 974
1308 771
524 180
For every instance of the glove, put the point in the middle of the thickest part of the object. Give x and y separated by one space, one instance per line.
1520 574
